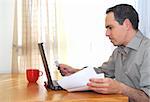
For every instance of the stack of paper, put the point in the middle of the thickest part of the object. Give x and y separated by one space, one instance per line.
78 81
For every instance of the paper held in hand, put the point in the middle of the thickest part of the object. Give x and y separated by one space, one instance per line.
78 81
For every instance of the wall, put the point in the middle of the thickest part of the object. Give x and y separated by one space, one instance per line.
6 29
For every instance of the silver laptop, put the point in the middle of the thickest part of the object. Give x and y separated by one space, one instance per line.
50 84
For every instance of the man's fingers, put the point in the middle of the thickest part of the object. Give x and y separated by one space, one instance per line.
98 85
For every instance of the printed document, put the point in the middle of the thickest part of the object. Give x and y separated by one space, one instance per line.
78 81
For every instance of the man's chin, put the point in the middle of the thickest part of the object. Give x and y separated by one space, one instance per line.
115 44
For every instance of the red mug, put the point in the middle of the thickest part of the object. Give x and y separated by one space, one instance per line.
33 75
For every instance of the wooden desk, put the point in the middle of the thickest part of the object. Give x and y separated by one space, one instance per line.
15 88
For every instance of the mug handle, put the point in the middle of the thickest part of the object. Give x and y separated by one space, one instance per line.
41 73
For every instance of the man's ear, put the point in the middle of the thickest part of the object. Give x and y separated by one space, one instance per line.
127 24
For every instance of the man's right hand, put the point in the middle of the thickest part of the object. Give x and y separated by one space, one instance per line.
66 70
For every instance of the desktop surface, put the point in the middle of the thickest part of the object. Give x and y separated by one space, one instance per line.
15 88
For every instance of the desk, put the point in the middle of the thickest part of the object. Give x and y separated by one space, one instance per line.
15 88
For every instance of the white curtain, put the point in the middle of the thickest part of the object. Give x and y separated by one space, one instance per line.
144 13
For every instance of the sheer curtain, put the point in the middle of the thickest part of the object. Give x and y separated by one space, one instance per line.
25 36
34 22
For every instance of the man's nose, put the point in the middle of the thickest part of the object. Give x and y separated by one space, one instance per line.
107 33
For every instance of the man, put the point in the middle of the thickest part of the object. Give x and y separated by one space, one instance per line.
128 69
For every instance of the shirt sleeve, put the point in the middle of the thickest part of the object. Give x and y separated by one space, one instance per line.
109 67
145 73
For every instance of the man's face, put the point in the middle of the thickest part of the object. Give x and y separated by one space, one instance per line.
117 33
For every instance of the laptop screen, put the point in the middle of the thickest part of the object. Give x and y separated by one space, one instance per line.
43 56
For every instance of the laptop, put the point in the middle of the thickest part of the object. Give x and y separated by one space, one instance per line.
50 84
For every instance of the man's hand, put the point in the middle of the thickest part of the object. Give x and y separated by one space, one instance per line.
109 86
66 70
104 85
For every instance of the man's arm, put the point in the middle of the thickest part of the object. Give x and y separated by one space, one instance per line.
110 86
134 94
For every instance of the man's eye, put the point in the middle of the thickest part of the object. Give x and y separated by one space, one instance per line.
110 28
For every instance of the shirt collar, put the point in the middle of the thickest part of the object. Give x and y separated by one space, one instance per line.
136 41
123 50
133 44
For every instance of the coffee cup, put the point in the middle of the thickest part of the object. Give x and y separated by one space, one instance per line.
33 75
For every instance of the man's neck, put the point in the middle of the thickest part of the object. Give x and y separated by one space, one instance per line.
130 36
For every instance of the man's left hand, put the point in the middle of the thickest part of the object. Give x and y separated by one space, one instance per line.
104 85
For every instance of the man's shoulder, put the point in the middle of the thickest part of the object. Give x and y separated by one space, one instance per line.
144 40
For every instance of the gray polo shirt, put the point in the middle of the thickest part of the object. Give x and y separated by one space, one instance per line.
131 64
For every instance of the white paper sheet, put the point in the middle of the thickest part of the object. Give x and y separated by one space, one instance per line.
78 81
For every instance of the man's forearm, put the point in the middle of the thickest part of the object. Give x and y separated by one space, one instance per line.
134 94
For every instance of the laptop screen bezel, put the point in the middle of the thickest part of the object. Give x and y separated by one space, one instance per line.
44 60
